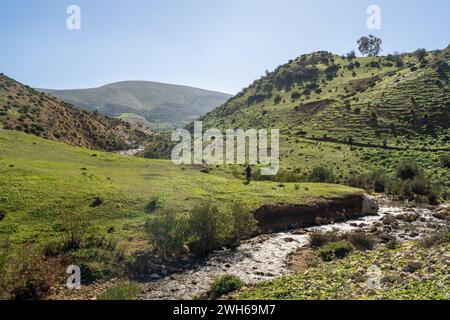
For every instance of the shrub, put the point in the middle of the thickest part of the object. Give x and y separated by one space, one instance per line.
407 170
445 160
244 223
361 181
379 181
206 228
361 241
121 292
167 233
224 285
437 238
321 174
318 239
74 227
338 250
26 274
153 205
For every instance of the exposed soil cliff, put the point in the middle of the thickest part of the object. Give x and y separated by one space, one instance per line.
273 218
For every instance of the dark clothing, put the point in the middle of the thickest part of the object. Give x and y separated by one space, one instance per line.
248 173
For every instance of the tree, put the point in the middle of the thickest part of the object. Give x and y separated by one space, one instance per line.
370 46
420 54
351 55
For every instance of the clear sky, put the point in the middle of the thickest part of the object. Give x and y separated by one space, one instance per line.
221 45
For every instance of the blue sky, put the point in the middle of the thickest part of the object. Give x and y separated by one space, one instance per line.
220 45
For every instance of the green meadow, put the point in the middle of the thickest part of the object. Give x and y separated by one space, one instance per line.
41 182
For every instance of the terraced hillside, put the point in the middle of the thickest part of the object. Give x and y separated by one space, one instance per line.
324 96
27 110
386 108
157 105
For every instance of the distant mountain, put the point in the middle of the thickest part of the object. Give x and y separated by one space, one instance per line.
156 105
25 109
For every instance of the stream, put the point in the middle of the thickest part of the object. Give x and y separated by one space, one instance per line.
264 257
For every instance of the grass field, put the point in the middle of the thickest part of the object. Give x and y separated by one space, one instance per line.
41 181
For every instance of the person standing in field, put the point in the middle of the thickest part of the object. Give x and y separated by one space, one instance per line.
248 174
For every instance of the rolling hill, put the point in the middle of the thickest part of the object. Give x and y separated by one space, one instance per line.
350 114
25 109
157 105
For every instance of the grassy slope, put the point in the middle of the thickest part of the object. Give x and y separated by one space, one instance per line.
41 180
163 106
27 110
392 92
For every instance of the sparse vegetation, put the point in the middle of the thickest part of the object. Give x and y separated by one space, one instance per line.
336 250
225 285
121 292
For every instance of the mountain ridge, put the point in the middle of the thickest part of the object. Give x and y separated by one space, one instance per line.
25 109
154 104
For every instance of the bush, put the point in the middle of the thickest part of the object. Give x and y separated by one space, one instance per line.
407 170
318 239
361 241
224 285
244 223
167 233
153 205
121 292
436 239
445 160
26 274
338 250
379 181
207 228
74 227
321 174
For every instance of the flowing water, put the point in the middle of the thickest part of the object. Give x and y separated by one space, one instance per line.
264 257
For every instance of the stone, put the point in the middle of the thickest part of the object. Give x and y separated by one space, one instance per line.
411 217
386 237
413 266
370 205
389 219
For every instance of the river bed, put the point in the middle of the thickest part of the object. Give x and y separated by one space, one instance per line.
264 257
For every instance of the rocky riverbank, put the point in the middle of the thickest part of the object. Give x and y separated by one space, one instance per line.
268 257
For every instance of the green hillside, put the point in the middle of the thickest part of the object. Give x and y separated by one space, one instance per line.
157 105
27 110
324 96
390 108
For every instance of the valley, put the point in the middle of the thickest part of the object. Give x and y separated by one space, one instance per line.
80 188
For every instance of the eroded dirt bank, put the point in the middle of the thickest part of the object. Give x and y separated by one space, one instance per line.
274 218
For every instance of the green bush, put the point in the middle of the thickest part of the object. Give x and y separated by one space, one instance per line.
74 227
407 170
244 223
26 274
224 285
379 181
152 205
318 239
207 228
167 233
445 160
121 292
321 174
338 250
361 241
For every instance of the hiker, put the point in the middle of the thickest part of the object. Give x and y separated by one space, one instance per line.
248 173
